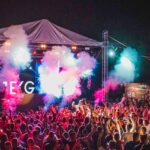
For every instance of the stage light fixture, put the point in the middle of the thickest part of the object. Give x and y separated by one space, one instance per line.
30 68
111 53
43 46
7 43
74 47
87 48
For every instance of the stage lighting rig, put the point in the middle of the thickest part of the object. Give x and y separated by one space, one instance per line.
43 46
74 47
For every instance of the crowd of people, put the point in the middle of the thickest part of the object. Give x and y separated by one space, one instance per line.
120 126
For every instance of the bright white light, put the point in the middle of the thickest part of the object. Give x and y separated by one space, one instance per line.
61 72
7 43
70 60
70 87
111 53
87 73
50 82
40 69
21 57
30 68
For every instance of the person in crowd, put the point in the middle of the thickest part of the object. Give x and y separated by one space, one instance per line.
82 126
31 145
8 145
133 143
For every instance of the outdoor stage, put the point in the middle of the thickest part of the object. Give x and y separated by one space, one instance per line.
41 59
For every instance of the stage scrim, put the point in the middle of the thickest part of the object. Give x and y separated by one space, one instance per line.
139 91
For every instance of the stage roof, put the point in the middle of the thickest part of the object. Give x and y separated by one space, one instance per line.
52 34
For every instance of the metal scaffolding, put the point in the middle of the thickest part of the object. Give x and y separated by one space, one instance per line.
105 63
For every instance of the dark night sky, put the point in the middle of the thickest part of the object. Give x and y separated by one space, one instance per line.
126 20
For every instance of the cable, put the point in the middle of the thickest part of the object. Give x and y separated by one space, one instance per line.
146 57
118 41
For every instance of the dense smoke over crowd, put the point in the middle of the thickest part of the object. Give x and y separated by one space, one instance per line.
61 71
14 56
124 71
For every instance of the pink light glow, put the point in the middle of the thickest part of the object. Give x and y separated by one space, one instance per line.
12 97
100 93
14 55
99 96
